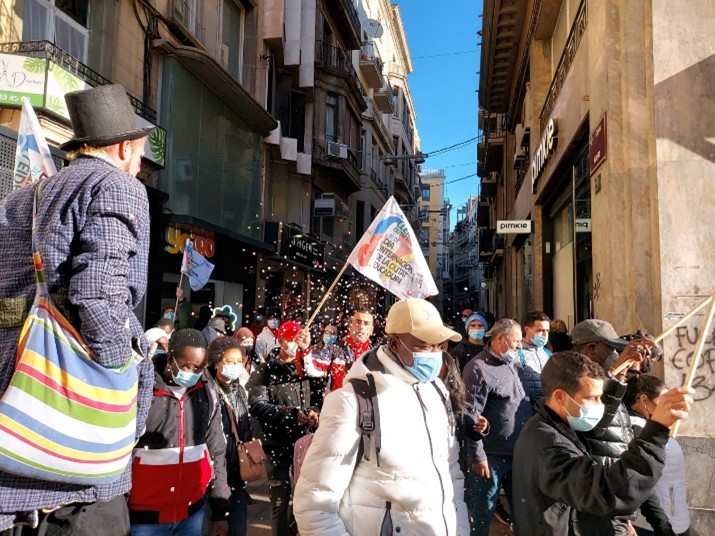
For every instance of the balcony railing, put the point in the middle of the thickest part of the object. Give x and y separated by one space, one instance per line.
384 97
338 59
47 50
371 65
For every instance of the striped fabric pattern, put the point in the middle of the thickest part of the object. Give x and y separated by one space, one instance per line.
64 417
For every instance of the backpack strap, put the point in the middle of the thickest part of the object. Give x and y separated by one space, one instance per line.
368 416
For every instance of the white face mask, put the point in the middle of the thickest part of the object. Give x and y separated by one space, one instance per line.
291 348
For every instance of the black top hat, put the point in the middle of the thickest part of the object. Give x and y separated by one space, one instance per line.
102 116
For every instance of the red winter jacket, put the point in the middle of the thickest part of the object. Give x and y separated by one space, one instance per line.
180 457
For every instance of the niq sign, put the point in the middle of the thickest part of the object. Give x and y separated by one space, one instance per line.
543 152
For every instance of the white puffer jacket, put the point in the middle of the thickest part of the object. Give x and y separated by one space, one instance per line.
419 470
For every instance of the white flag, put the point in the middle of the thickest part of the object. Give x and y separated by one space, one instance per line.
195 266
33 159
389 254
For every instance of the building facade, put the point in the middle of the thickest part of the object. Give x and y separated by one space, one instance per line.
595 168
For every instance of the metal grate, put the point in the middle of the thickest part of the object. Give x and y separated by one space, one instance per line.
8 146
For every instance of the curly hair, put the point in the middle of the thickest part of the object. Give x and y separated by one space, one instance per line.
220 346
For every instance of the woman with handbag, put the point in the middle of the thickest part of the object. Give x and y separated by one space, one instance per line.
226 368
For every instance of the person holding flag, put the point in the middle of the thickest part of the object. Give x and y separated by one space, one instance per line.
92 221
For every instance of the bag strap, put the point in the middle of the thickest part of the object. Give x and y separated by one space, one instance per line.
40 275
231 414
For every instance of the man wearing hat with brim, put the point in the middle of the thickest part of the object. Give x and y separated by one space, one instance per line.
93 234
598 340
407 479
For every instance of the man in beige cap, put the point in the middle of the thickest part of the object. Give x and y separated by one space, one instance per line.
394 470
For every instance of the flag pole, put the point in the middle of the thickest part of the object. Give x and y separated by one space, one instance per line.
325 297
696 358
176 307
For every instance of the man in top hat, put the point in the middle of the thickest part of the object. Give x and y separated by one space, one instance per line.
405 478
93 234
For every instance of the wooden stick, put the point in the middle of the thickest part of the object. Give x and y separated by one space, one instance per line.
623 366
325 298
679 322
176 307
696 358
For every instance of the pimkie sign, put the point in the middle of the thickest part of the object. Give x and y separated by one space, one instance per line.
513 226
546 147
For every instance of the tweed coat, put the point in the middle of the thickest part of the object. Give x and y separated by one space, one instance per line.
93 234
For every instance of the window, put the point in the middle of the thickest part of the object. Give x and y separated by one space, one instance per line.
63 22
425 192
360 218
230 42
331 117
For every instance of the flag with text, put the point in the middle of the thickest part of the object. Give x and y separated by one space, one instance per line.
389 254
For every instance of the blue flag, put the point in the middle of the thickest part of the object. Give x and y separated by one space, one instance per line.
195 266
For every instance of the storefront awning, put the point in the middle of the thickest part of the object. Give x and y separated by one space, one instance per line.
207 69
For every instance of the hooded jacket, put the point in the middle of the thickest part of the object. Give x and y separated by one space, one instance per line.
180 457
418 475
562 491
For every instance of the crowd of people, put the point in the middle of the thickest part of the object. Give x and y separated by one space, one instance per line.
419 430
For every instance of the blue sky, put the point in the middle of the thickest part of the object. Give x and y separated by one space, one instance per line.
444 85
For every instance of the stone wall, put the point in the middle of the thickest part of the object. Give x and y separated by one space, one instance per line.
684 110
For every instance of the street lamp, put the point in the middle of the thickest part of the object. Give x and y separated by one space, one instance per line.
391 160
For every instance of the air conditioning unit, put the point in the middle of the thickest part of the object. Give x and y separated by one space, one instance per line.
223 52
337 150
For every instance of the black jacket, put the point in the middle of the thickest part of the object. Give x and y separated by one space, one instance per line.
613 433
465 351
275 396
234 395
564 491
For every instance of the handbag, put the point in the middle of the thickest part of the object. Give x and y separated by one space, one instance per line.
251 456
64 417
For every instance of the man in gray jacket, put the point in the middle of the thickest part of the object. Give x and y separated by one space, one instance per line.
93 234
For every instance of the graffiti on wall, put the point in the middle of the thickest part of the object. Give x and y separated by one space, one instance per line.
685 338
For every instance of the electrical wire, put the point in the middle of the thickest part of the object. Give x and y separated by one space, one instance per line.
454 147
460 179
443 55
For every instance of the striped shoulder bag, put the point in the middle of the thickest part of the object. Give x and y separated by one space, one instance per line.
64 417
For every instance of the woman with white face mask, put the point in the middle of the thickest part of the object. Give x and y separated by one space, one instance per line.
225 366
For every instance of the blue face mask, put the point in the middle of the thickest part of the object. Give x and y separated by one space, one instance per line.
477 334
330 339
169 315
231 372
539 341
590 416
184 378
426 365
273 323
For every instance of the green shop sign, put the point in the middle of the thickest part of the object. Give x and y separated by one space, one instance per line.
45 84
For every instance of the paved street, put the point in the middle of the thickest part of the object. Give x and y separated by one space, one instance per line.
259 513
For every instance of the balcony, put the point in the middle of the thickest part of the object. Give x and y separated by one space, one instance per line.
384 97
371 65
345 15
489 185
339 62
484 214
375 116
341 158
494 138
273 23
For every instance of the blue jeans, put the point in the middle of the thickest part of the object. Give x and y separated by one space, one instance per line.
191 526
485 493
237 514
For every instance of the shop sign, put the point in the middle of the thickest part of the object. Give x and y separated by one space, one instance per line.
583 225
513 226
543 152
176 239
324 208
598 144
300 248
22 77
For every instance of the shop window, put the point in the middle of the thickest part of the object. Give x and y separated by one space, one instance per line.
62 22
213 163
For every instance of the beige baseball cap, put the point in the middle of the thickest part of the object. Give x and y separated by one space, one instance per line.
421 319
